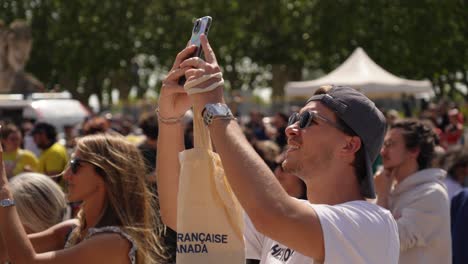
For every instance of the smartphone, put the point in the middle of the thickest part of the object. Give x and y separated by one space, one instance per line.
200 26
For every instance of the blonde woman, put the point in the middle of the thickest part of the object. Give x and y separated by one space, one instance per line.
40 201
116 223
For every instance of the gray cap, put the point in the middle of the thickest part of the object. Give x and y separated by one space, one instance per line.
363 117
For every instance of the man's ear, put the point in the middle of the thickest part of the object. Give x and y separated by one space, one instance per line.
414 152
353 144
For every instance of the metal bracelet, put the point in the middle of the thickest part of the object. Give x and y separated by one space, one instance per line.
172 120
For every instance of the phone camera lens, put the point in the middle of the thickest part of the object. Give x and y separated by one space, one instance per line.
197 27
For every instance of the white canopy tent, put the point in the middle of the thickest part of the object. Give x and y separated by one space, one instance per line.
361 72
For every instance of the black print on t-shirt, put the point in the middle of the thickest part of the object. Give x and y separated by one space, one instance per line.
282 254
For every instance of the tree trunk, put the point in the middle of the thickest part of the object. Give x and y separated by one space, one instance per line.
441 86
281 75
451 82
123 85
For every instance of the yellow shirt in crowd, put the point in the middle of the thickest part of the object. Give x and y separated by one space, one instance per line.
53 159
19 161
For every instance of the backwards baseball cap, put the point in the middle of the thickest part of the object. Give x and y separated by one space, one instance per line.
362 116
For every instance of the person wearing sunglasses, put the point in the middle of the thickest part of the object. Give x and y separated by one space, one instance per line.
332 143
116 222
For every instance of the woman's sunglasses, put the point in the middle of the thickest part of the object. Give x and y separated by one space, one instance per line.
308 118
75 163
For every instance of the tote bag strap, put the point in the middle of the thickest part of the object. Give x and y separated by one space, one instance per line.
231 204
201 134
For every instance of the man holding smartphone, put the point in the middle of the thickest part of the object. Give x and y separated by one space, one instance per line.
332 143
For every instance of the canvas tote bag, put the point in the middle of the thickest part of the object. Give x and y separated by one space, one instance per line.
209 218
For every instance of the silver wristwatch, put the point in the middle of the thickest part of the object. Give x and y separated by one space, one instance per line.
7 202
216 111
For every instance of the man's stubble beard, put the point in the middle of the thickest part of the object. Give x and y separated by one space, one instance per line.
319 161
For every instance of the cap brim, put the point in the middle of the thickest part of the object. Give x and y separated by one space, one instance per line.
367 185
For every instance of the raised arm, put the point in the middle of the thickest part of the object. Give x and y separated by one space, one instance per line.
173 103
383 181
16 242
274 213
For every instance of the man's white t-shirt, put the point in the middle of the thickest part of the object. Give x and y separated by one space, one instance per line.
354 232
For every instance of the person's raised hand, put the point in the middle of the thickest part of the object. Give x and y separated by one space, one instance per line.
198 68
173 100
383 181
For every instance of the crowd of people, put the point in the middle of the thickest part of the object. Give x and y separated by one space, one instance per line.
338 181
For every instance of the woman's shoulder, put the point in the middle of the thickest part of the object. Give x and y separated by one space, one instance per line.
105 247
116 235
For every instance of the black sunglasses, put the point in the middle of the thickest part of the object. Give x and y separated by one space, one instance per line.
308 118
75 163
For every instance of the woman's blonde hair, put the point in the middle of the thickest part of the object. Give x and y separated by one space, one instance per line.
131 205
39 200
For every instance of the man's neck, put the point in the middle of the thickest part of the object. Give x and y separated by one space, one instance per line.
405 170
46 147
333 191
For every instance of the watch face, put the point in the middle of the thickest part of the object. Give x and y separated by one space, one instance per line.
210 109
217 109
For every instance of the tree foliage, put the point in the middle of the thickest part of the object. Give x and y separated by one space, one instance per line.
412 39
84 43
93 45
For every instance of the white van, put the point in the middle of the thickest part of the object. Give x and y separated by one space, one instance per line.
57 109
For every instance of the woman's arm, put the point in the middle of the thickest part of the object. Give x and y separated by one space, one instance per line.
53 238
103 248
173 103
3 253
47 240
170 143
18 247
